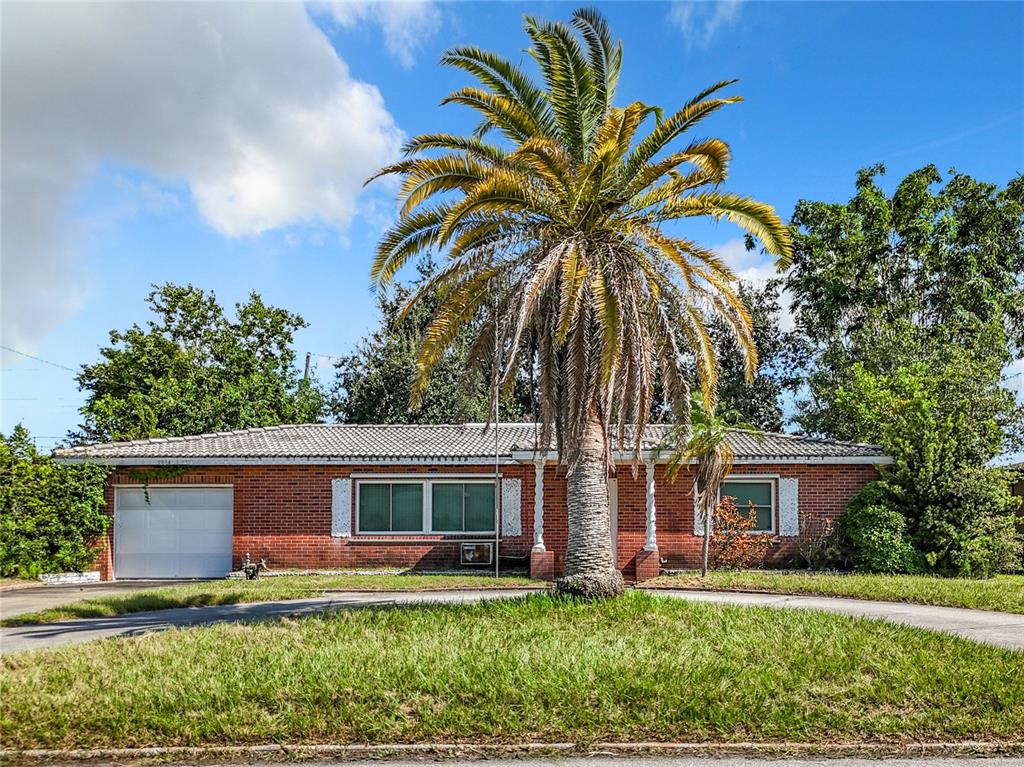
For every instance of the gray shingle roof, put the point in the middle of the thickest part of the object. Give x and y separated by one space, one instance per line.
366 442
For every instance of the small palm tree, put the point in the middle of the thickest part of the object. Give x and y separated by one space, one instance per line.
706 444
560 244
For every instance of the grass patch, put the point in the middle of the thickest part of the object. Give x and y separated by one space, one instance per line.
228 592
1004 592
639 668
11 582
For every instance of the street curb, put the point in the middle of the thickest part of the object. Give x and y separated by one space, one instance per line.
481 751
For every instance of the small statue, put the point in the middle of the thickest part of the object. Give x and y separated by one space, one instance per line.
252 571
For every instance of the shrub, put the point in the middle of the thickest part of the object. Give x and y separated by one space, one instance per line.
875 533
51 515
822 549
968 528
732 545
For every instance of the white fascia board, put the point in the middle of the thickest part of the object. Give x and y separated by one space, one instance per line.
270 461
528 456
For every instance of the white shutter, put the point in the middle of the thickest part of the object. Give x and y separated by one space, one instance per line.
511 507
789 507
698 517
341 508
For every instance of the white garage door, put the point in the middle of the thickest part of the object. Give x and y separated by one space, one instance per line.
180 532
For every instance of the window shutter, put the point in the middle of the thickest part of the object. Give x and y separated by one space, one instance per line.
698 517
789 507
511 507
341 508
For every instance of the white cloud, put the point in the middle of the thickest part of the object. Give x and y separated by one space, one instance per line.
246 104
756 268
406 24
700 22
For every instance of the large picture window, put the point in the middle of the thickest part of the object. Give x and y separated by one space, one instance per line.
425 506
759 492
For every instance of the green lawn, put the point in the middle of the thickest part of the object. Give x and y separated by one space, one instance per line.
226 592
535 669
1004 592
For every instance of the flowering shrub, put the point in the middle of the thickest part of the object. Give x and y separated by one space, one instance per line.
732 544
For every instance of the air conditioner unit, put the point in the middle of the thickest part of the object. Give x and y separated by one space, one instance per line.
478 554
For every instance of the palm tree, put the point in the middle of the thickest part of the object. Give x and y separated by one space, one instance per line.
705 443
557 220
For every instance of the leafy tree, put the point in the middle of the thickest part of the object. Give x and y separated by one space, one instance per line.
913 304
194 370
558 238
51 515
374 383
892 281
958 511
783 356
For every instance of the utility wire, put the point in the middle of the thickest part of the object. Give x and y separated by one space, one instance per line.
38 359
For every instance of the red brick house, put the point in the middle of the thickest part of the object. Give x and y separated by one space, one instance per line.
329 496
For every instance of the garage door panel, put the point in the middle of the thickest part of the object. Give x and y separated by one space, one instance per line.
130 499
178 533
206 545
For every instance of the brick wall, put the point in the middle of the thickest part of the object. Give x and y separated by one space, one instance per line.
283 514
824 491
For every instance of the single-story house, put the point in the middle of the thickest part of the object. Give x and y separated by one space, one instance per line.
326 496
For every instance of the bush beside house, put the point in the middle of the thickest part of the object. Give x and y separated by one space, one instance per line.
51 516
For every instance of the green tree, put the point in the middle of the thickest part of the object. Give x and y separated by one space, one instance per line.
374 383
51 516
557 218
783 356
193 370
912 305
958 511
892 281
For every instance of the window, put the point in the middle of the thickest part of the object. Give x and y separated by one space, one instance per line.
759 492
462 507
425 506
391 507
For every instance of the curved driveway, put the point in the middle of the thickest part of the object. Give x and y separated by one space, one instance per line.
995 628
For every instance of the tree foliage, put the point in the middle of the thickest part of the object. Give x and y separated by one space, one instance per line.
193 369
374 383
782 360
915 277
912 304
958 511
51 516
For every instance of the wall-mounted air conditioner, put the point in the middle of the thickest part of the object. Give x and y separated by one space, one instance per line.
478 554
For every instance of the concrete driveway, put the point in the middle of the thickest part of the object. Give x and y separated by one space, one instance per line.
30 599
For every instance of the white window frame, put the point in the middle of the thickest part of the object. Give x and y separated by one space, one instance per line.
427 516
750 479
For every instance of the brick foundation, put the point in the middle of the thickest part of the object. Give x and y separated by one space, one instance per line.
542 565
648 565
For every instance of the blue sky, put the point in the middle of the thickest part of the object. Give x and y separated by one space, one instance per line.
225 146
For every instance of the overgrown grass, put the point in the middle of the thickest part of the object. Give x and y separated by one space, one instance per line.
228 592
1004 592
639 668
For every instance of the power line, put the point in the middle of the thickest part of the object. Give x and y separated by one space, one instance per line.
38 359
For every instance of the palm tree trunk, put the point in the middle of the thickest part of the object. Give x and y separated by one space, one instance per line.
705 546
589 569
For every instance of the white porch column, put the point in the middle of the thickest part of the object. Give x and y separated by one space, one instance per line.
538 505
651 544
